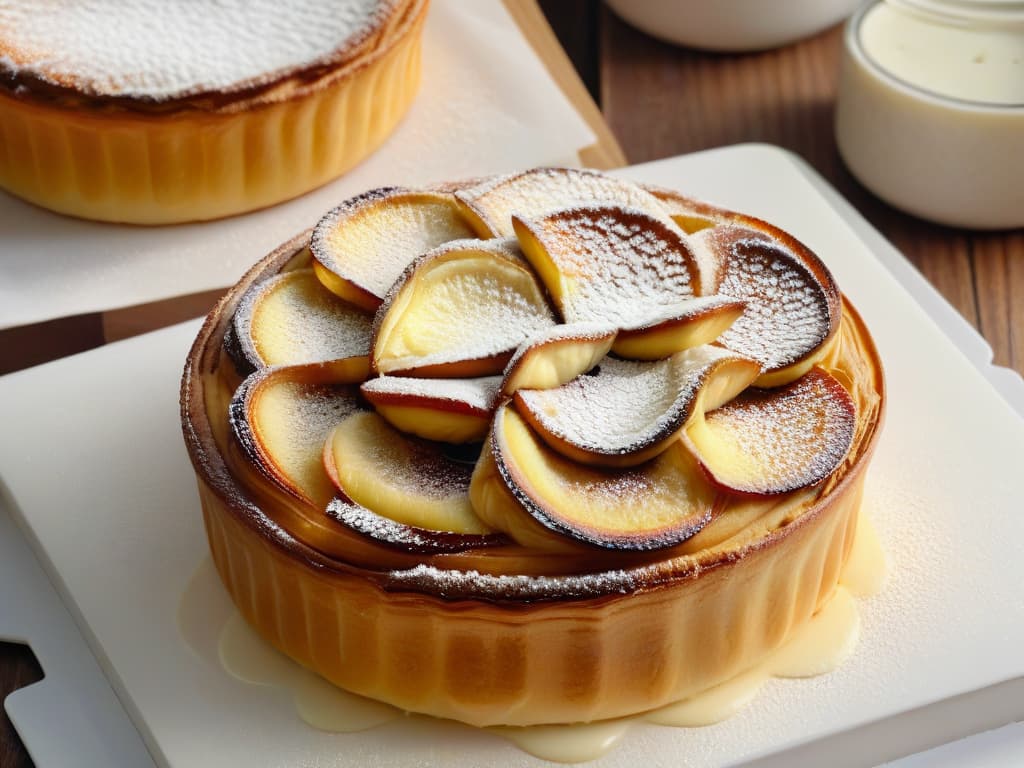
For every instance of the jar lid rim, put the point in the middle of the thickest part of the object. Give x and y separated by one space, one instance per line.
966 11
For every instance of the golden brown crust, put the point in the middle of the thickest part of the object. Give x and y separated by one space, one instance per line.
511 635
535 661
205 157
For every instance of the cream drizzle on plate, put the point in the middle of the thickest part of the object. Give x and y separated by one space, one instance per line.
817 648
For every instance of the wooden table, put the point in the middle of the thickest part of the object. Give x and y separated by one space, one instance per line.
659 101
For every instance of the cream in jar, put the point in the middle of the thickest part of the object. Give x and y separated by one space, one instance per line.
930 112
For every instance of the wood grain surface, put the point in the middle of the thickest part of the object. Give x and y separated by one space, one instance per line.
658 100
18 668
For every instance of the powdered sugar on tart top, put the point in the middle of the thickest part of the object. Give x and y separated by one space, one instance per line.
370 239
687 309
284 421
624 406
162 49
478 394
291 319
402 536
789 312
782 439
466 300
542 190
418 468
613 262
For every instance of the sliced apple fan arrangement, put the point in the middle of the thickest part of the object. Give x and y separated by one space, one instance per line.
557 357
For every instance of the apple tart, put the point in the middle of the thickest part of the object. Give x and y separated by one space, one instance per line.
545 448
154 113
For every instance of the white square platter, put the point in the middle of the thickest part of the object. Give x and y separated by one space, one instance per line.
100 484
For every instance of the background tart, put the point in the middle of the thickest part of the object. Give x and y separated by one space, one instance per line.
230 108
532 628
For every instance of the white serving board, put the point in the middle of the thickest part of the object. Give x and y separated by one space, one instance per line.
105 493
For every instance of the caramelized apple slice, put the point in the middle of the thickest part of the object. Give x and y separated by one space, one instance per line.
627 412
693 216
711 257
670 329
459 312
498 505
291 319
407 538
281 417
793 305
778 440
689 214
362 246
551 357
406 479
607 263
697 218
450 410
489 205
654 505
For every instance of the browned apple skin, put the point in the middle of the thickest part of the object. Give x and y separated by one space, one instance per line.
576 532
491 365
754 395
673 422
404 537
239 413
421 401
728 240
324 260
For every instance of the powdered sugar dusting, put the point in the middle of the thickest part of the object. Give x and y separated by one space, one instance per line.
786 438
373 525
687 309
787 314
311 410
471 583
473 300
416 467
159 49
371 239
559 333
409 538
287 421
614 261
478 394
540 191
625 406
293 320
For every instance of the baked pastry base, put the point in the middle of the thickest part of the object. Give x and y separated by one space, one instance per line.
525 650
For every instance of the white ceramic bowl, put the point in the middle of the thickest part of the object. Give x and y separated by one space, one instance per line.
732 25
944 159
